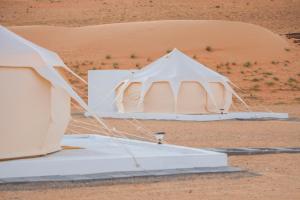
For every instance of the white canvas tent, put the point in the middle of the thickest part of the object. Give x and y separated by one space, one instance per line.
35 99
175 83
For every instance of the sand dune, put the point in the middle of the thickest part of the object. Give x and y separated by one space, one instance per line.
258 60
229 41
281 16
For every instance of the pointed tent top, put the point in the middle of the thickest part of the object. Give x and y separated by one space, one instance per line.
16 51
177 65
14 46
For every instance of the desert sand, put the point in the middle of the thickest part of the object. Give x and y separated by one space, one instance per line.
99 34
268 179
263 64
281 16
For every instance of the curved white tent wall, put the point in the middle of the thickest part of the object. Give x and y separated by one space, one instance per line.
35 99
175 83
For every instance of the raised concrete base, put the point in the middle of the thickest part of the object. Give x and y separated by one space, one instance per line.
102 157
207 117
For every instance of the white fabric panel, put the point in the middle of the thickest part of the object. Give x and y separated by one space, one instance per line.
176 68
159 98
15 51
191 99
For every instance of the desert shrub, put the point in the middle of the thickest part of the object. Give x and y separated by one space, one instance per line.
291 80
195 57
137 65
233 63
287 49
270 83
132 56
275 79
247 64
242 72
115 65
168 51
255 80
267 73
255 88
208 48
108 57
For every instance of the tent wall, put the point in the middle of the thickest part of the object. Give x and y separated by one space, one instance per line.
192 98
159 98
34 114
131 98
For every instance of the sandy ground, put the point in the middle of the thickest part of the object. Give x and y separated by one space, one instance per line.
281 16
272 83
263 64
269 177
231 133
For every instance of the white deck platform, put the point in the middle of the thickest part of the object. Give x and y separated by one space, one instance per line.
100 154
209 117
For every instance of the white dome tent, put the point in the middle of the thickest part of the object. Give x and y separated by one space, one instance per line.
175 83
35 98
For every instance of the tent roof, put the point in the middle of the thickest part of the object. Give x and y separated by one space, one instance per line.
16 51
177 65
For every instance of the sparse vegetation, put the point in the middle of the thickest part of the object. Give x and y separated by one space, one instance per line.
233 63
292 80
149 59
274 62
137 65
287 49
275 79
255 88
247 64
115 65
168 51
270 83
132 56
255 80
267 73
108 57
208 48
242 72
195 57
